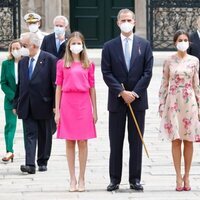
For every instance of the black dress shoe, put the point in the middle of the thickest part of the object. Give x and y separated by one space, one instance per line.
42 168
112 187
136 186
28 169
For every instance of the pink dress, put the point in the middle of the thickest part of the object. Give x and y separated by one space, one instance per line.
76 114
180 99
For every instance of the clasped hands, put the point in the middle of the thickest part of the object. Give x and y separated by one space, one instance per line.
127 96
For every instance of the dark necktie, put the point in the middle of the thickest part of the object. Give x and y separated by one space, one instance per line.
30 68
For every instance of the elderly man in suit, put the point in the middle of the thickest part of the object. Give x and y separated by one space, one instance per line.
194 48
55 42
127 70
34 101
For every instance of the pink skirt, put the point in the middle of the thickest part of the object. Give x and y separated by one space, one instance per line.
76 117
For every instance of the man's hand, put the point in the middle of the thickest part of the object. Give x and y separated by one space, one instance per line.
127 96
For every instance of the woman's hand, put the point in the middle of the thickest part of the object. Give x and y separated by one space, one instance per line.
160 110
14 111
95 117
161 113
57 118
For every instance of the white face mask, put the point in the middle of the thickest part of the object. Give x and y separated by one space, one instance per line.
16 53
59 30
24 51
33 28
182 46
126 27
76 48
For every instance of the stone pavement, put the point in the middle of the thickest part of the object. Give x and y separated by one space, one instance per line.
158 175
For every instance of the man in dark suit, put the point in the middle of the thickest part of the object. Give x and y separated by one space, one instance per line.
55 43
34 101
127 69
194 48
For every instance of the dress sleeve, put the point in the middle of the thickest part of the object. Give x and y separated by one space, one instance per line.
164 86
91 77
59 72
196 84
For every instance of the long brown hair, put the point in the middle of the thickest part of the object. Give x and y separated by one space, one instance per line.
68 59
10 56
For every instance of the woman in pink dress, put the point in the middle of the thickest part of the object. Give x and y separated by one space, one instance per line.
76 111
180 106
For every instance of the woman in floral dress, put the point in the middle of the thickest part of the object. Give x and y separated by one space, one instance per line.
179 107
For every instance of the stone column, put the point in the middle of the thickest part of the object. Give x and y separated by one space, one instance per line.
31 6
51 9
65 8
140 13
66 11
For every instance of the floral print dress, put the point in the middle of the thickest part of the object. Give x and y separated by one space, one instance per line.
179 97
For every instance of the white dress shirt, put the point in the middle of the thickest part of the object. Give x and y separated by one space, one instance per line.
16 72
130 42
198 32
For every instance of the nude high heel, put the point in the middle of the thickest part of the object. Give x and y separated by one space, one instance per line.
186 184
81 186
9 156
72 187
179 185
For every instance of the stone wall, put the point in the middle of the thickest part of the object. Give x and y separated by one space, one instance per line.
48 9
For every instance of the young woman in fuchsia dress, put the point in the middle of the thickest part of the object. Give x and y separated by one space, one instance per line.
180 106
76 111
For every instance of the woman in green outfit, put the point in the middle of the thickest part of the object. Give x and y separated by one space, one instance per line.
9 80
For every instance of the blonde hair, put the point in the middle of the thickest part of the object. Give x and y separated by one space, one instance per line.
10 56
68 59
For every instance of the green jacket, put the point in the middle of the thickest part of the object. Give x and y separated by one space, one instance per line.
8 84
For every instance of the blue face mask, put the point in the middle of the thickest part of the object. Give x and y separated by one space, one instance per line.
59 30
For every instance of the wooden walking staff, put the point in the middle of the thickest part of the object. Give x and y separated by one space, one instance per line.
137 126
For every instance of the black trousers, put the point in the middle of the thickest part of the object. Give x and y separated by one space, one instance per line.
37 131
117 123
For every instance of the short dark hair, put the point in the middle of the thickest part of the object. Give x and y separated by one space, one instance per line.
178 33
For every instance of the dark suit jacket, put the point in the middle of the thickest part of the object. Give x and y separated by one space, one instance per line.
194 48
49 45
36 95
136 79
8 83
